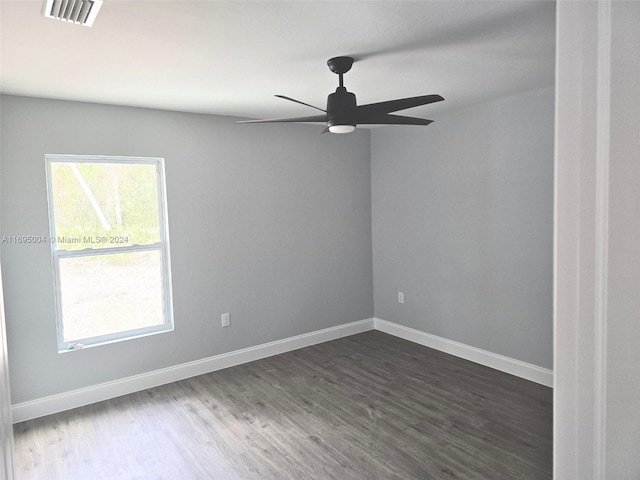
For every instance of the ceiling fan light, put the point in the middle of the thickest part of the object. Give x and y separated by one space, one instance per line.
342 128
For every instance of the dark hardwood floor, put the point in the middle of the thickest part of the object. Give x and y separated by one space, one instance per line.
370 406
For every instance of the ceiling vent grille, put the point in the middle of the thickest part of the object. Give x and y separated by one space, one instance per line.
80 12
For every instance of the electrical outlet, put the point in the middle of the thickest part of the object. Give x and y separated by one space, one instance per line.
226 321
400 297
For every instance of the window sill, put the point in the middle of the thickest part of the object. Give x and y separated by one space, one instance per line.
84 346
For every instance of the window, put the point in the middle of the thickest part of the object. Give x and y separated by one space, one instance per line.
110 247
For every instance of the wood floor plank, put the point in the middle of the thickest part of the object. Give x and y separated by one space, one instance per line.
370 406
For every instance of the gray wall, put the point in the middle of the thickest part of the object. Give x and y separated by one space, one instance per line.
462 216
271 223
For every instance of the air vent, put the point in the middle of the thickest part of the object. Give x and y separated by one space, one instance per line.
80 12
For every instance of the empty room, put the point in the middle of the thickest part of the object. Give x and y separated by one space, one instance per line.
319 239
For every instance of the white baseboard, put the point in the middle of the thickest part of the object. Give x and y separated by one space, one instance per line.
518 368
104 391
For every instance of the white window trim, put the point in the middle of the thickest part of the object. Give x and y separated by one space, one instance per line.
162 246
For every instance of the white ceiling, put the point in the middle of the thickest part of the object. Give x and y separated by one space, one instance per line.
231 57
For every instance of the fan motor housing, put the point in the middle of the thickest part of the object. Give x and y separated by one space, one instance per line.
341 108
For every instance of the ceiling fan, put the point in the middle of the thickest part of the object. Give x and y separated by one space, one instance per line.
343 113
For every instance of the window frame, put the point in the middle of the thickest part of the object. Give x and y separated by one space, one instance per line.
162 246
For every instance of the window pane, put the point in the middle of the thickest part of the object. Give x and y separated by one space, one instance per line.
102 204
104 294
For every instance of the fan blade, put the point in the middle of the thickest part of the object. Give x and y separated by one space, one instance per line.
298 101
386 119
326 130
395 105
313 118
